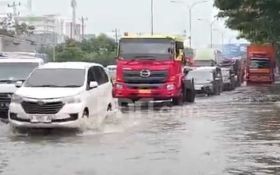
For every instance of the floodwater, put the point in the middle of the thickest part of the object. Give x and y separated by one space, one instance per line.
235 133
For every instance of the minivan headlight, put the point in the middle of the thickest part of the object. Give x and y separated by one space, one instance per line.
16 99
72 100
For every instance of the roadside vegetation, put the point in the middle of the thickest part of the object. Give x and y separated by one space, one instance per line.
99 49
257 20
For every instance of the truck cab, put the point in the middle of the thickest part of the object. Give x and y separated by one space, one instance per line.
206 57
150 67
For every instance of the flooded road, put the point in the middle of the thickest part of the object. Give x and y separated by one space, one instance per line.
235 133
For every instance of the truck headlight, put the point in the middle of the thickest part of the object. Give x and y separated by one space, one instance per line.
170 87
119 86
72 100
16 99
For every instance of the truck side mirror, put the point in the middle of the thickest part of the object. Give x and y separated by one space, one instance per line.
171 51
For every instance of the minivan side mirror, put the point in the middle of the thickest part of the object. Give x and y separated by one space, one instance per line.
18 84
93 85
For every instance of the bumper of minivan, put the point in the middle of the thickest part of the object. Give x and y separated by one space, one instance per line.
69 117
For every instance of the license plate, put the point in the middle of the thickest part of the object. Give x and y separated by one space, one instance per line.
41 119
145 91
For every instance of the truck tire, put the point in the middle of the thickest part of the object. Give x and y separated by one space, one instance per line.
190 95
178 101
122 103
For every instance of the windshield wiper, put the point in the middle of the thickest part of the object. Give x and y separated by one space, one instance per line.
45 85
70 86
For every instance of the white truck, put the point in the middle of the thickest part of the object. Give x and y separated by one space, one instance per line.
13 69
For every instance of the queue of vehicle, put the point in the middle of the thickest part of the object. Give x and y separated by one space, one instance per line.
74 94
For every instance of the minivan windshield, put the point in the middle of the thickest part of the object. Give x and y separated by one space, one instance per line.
16 71
201 76
61 78
144 48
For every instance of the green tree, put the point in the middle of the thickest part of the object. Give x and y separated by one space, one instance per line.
257 20
100 49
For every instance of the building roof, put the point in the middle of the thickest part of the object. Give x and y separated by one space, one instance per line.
69 65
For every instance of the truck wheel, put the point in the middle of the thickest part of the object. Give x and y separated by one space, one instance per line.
177 101
122 103
190 95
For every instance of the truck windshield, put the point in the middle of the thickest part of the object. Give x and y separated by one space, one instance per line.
201 76
60 78
16 71
157 49
260 64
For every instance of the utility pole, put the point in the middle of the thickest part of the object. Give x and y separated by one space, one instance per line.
83 19
73 25
190 8
152 17
15 15
116 32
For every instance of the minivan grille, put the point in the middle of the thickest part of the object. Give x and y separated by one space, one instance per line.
42 108
5 100
5 97
154 78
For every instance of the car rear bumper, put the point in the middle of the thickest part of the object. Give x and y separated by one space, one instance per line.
201 89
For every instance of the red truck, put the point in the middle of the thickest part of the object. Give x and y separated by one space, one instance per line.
261 63
151 68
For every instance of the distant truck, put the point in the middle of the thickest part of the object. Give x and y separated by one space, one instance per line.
152 67
261 63
207 57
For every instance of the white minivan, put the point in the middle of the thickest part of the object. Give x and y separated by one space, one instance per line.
62 95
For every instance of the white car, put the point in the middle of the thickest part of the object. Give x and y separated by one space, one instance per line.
62 95
13 69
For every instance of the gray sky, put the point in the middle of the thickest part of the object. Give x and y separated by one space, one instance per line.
134 16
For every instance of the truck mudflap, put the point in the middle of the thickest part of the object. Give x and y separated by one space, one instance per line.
189 91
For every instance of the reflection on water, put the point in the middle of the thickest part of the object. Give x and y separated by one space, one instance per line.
235 133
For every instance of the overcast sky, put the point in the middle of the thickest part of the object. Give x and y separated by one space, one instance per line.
134 16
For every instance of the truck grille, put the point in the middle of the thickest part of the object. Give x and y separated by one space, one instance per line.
154 78
42 108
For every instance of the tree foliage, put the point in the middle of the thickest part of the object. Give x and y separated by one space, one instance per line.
257 20
10 28
100 49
